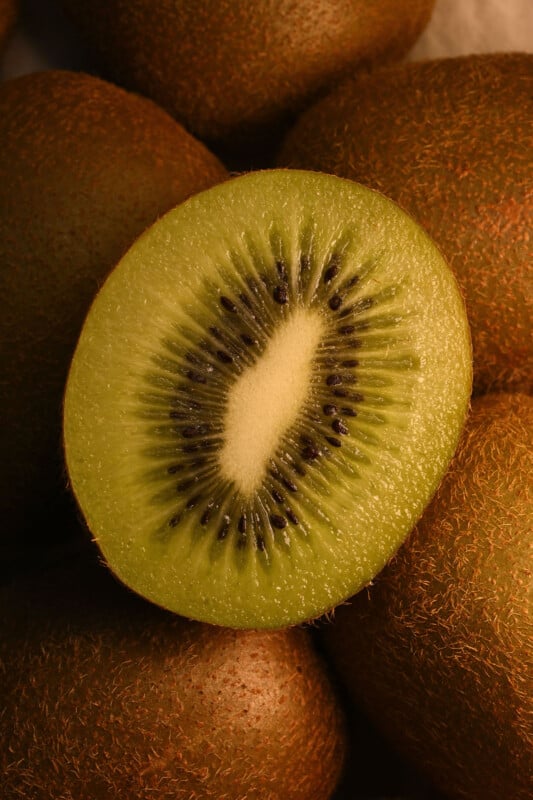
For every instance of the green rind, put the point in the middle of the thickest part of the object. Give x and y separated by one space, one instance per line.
354 540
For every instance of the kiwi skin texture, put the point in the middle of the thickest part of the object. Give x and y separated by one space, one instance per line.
450 141
105 696
85 167
231 70
8 15
438 651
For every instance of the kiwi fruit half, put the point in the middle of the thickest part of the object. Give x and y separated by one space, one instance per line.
116 699
438 650
264 396
228 69
450 141
85 167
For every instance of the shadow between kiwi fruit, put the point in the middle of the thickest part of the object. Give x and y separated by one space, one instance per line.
264 397
105 696
438 649
450 141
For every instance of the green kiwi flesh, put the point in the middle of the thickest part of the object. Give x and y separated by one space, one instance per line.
264 396
106 696
438 650
231 70
85 167
450 141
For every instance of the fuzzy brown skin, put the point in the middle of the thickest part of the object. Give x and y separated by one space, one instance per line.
228 69
8 15
106 696
84 168
450 141
438 651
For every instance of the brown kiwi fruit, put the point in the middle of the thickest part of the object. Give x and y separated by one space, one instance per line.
105 696
229 69
8 15
85 167
438 651
450 141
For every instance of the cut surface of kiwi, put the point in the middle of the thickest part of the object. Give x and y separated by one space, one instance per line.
264 397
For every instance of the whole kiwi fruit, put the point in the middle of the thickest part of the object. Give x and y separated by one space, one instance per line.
438 650
236 69
105 696
450 141
264 396
85 167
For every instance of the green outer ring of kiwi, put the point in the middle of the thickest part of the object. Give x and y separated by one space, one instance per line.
355 504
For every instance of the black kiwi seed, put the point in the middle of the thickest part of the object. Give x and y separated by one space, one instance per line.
329 409
333 270
335 302
333 441
206 516
334 380
290 485
278 521
228 304
345 330
224 357
245 300
349 412
224 528
278 497
310 453
292 516
280 294
339 427
305 263
248 340
196 377
192 431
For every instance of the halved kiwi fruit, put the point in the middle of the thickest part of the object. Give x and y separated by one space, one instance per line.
264 397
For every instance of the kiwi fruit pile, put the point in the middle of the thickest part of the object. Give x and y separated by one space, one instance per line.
266 511
450 141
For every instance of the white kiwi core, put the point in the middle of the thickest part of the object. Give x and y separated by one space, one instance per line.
264 402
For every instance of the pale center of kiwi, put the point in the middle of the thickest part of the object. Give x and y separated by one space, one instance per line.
264 402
